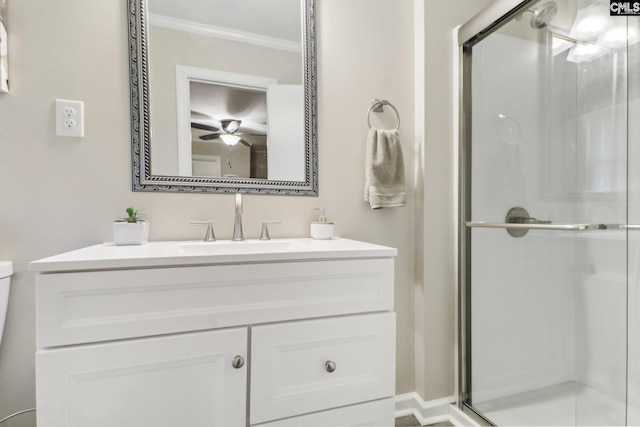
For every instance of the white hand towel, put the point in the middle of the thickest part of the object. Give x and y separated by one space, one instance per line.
384 173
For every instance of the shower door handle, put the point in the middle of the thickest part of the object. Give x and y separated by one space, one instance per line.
548 226
520 215
522 220
518 223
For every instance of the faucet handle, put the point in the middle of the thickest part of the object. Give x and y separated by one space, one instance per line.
264 235
209 236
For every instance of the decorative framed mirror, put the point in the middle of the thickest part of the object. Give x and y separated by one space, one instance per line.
223 96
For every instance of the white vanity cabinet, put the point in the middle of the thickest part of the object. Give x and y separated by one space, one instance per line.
150 336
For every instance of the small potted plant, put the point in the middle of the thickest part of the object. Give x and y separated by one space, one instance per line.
131 230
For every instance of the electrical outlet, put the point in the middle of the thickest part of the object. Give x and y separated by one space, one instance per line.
69 118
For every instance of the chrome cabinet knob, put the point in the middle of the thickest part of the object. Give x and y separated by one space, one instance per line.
238 362
330 366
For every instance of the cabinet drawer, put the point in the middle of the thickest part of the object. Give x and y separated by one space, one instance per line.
289 373
83 307
379 413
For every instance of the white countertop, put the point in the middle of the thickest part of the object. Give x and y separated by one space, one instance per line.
107 256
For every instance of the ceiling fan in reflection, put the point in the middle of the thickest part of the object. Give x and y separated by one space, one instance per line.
228 132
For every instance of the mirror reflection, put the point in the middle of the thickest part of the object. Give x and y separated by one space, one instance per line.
222 37
231 96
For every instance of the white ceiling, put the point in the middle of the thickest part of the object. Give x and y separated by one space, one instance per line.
279 19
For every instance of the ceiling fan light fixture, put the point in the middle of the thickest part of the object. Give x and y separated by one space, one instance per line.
230 139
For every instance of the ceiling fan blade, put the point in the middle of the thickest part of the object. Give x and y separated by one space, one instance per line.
209 136
242 141
204 127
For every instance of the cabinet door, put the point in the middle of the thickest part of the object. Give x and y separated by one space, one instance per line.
308 366
180 380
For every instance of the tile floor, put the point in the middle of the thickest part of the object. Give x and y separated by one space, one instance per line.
411 421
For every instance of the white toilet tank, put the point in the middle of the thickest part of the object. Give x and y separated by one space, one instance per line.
6 270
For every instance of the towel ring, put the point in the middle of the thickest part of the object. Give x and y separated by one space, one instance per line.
377 105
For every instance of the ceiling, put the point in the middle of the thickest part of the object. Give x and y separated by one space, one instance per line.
279 19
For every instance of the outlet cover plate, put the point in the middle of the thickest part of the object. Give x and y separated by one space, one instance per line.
69 118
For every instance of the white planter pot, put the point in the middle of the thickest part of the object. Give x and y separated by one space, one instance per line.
125 233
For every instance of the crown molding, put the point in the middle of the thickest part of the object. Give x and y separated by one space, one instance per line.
223 33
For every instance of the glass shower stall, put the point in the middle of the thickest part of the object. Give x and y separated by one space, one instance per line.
549 237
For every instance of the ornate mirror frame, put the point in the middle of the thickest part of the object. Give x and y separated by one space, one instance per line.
143 180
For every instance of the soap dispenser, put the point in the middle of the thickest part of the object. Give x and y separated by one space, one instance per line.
322 229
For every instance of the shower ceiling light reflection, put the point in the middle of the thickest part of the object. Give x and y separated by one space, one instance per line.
593 32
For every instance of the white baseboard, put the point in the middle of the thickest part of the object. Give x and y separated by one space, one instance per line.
433 411
459 418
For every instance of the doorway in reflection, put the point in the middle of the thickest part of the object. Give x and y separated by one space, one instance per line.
228 128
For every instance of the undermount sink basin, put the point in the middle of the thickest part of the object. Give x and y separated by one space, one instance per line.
228 247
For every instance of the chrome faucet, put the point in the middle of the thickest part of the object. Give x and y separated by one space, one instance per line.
237 223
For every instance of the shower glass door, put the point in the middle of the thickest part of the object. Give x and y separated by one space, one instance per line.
549 264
